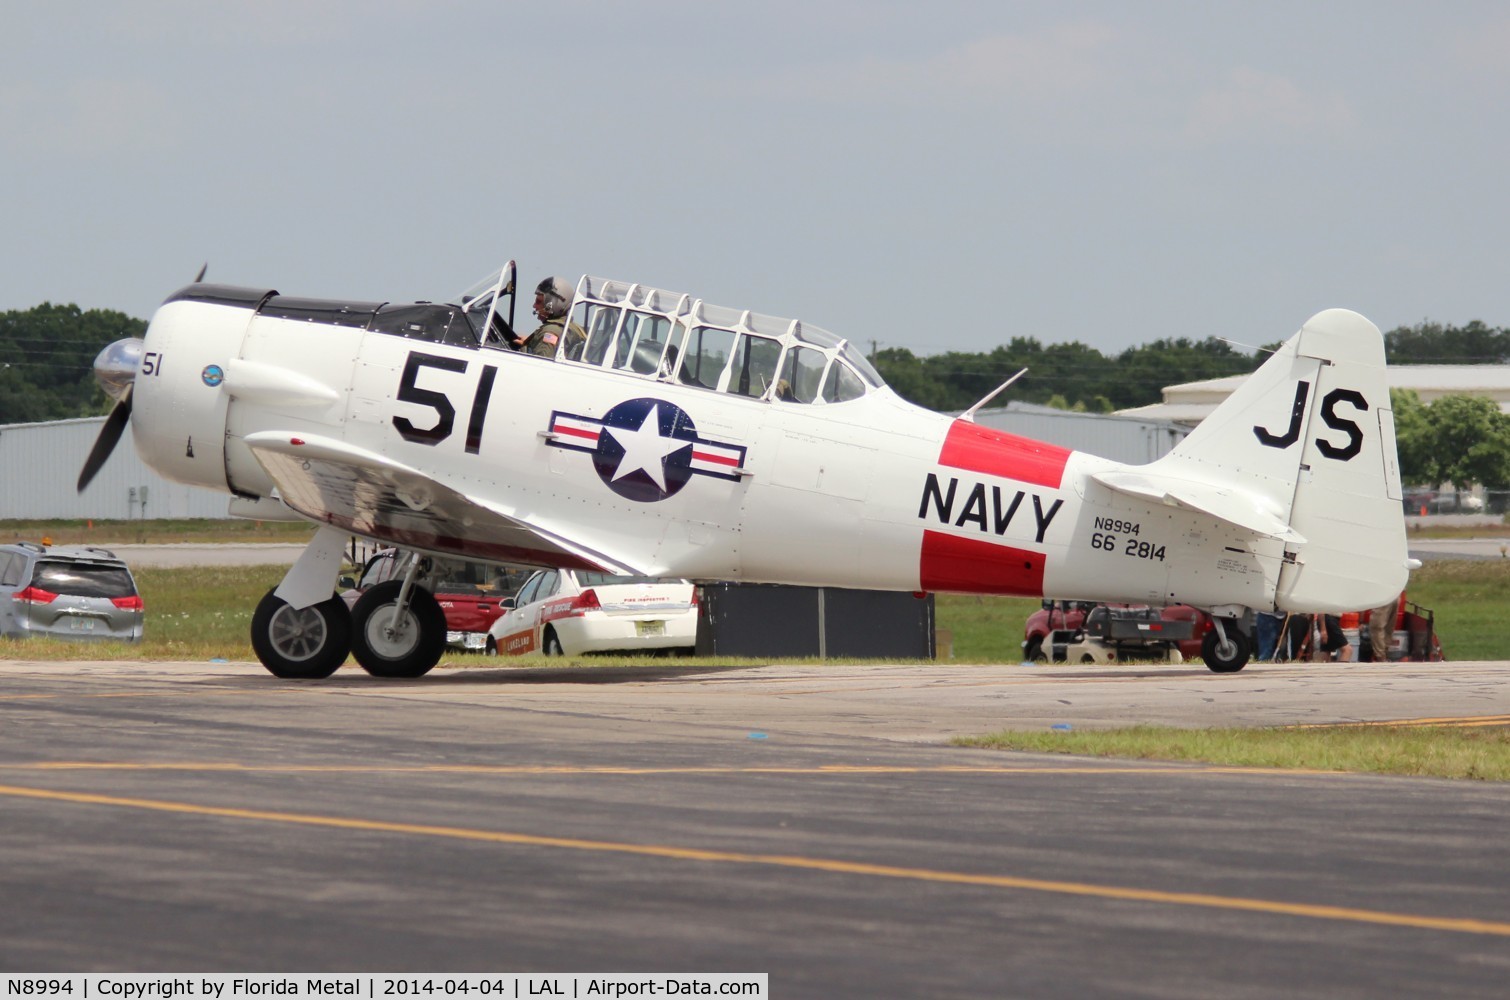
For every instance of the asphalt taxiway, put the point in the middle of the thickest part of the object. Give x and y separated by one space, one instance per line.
809 822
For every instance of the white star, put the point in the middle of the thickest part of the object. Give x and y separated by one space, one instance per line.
645 449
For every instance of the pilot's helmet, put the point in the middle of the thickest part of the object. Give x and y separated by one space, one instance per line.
555 295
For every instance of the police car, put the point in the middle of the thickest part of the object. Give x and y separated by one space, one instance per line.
568 612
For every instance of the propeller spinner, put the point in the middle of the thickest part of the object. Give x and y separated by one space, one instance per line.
115 369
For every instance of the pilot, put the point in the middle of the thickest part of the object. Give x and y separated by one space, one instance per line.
552 297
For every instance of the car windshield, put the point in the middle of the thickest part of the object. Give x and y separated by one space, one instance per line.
595 579
75 579
486 578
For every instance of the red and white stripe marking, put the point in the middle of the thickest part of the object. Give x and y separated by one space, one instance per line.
708 457
577 430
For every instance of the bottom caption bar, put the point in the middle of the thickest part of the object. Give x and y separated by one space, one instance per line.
425 986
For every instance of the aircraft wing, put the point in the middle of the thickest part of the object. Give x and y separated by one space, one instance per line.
333 483
1221 502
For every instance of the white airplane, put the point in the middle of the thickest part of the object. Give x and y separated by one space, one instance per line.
683 439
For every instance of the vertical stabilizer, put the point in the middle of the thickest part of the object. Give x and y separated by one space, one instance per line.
1348 498
1309 440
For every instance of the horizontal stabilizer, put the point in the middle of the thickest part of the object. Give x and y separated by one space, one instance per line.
1245 510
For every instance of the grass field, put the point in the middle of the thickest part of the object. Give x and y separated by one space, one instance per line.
205 612
1470 599
1438 752
203 530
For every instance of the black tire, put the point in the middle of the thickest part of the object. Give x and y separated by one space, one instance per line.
1231 659
490 648
305 644
1034 652
551 644
410 649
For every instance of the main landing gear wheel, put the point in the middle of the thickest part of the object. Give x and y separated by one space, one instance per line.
389 642
1225 657
304 643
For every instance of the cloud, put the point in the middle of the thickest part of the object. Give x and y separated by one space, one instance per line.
279 24
1055 63
88 117
1481 50
1267 108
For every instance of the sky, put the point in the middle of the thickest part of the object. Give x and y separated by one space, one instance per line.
932 176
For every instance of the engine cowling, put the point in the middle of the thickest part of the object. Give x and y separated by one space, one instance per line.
179 400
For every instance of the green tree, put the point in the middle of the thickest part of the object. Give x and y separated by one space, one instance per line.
1435 344
910 378
957 380
1141 373
1471 441
1082 376
47 360
1414 439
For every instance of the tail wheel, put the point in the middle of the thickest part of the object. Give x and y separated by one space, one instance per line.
301 643
1225 657
388 642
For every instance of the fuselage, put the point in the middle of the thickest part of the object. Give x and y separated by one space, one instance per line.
673 479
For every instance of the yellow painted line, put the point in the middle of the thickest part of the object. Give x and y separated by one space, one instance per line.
1451 721
832 866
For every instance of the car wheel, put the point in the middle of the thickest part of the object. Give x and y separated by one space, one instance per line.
389 644
552 644
490 648
1034 652
304 643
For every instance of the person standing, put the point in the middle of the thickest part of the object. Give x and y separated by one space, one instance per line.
1331 639
1381 630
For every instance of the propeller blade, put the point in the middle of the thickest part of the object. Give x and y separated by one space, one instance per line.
110 436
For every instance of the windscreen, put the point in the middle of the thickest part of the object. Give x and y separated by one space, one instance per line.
592 578
74 579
